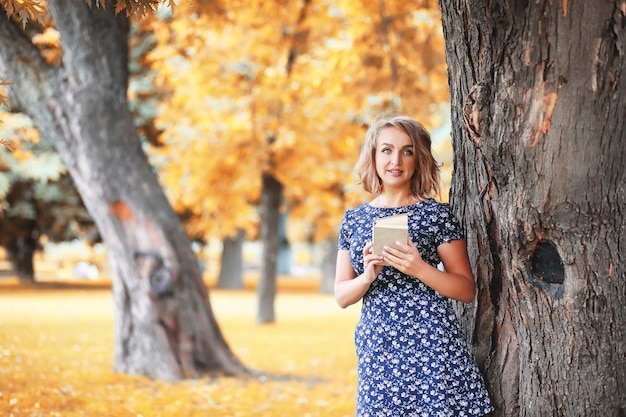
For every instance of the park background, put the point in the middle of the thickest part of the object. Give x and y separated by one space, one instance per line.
56 307
276 97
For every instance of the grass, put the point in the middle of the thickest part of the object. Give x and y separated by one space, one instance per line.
56 348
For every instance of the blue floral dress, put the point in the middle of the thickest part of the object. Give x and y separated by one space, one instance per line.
412 357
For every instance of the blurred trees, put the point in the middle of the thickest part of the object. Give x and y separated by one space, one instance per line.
280 92
275 124
37 196
266 111
164 325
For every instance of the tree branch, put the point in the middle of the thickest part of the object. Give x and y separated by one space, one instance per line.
22 65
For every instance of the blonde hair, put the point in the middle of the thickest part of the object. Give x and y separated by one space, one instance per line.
425 179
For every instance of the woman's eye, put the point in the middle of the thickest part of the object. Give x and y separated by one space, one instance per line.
386 150
408 152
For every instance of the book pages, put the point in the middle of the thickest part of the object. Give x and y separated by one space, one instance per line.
389 230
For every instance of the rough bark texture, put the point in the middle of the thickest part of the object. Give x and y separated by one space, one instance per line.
538 98
164 326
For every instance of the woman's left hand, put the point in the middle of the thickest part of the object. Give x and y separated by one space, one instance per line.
455 281
405 258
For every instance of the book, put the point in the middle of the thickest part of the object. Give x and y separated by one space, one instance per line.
389 230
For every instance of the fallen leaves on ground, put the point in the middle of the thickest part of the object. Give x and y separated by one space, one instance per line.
56 349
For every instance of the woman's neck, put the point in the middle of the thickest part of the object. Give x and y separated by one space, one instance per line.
387 200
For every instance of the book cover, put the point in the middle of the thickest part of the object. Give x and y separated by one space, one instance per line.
389 230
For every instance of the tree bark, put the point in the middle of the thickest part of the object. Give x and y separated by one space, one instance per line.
231 267
271 198
538 100
164 325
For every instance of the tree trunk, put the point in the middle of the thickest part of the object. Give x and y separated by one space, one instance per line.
539 127
283 262
164 326
329 266
271 197
231 267
21 251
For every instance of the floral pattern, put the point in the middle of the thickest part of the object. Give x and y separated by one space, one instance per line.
412 357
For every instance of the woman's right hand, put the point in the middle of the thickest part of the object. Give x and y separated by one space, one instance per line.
350 288
372 264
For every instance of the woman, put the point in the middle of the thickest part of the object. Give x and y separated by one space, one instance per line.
412 357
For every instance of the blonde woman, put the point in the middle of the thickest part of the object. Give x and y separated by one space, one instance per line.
412 357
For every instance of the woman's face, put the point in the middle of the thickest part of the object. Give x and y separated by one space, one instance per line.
394 158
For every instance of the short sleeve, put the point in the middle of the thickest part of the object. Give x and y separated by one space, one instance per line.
448 226
344 234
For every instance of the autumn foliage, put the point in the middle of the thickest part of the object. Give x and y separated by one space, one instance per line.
231 91
246 91
288 91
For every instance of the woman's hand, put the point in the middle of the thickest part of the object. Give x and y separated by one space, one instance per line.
455 281
405 258
372 264
350 288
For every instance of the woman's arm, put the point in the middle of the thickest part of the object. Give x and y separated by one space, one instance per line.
457 281
350 288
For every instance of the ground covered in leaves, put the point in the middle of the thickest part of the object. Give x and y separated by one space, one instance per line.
56 348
